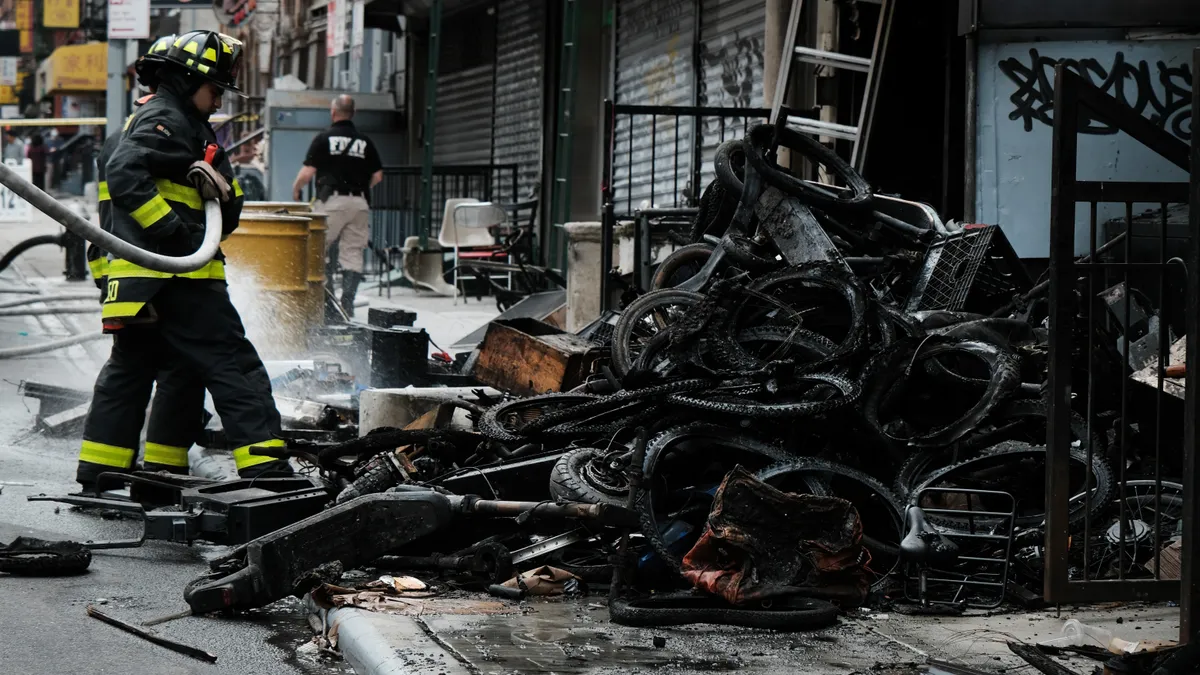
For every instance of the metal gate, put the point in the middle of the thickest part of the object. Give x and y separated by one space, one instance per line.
1120 319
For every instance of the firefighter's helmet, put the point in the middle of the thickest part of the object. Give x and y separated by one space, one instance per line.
211 56
148 63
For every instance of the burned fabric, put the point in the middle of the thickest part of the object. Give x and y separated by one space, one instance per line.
761 543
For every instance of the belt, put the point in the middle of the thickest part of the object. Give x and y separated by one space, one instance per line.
350 193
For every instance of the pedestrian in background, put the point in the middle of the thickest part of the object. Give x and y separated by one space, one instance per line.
37 160
14 148
347 165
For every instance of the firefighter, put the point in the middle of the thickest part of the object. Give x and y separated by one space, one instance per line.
347 165
177 414
159 172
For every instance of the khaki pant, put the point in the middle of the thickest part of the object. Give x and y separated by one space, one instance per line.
349 226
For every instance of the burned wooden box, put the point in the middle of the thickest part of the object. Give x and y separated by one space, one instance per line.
527 356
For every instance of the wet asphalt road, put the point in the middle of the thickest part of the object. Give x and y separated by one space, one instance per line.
45 627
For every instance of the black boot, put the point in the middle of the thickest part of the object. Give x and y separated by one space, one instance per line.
350 281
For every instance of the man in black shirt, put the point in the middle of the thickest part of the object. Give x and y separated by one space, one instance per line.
347 166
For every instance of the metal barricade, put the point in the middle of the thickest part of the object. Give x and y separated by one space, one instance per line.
1120 318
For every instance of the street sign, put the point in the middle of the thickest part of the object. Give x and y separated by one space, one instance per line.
128 19
60 13
8 71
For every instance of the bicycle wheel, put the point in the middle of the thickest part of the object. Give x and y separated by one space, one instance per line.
645 318
1017 470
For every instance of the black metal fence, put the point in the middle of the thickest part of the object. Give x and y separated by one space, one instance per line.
661 157
396 202
1121 318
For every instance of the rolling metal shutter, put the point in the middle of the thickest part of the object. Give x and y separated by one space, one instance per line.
520 61
654 67
731 70
463 131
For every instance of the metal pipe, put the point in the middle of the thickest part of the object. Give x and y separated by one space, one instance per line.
119 247
970 146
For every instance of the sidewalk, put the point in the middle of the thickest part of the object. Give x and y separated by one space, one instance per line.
554 636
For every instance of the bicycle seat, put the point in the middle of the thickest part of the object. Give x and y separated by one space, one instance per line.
924 544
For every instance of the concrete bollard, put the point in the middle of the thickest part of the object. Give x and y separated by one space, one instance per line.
583 274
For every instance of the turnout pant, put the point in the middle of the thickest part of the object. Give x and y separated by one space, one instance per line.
198 331
140 360
199 323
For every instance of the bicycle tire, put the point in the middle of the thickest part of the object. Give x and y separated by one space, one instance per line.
662 443
1101 494
797 615
684 255
717 206
622 356
849 393
605 403
922 463
739 248
819 276
569 480
725 165
889 376
491 426
807 341
762 137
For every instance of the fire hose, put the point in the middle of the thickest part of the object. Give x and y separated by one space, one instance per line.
119 247
123 249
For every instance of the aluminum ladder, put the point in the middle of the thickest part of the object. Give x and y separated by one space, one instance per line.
873 66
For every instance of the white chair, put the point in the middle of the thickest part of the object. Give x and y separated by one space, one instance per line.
423 268
466 224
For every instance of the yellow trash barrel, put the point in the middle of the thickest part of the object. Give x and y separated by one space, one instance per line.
268 280
318 224
316 250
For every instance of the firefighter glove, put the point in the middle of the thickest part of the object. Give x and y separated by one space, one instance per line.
210 183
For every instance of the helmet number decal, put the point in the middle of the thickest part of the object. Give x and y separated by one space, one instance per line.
113 285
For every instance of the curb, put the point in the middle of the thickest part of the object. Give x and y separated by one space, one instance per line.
402 648
360 643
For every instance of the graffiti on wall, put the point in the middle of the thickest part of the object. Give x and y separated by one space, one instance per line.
1162 94
739 63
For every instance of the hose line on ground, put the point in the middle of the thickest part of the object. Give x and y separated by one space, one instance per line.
25 245
44 311
14 352
82 295
119 247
